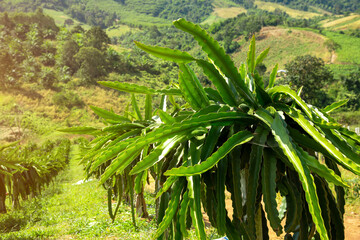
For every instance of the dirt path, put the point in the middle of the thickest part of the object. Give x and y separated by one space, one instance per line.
352 227
333 57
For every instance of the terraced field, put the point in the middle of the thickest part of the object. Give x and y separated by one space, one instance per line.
343 23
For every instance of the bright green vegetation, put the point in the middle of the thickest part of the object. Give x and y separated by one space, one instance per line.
212 139
70 209
348 22
60 18
25 170
347 53
334 6
54 85
118 30
284 40
269 6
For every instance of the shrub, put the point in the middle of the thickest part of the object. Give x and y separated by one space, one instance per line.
67 99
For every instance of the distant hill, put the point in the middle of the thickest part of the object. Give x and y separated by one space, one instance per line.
132 12
334 6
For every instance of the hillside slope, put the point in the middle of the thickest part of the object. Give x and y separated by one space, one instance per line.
283 41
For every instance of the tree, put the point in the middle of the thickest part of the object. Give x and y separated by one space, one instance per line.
352 85
310 73
92 64
69 49
96 38
253 141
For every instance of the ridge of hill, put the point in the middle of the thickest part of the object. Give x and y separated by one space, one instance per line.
105 13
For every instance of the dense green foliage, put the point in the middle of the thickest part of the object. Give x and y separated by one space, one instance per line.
252 22
105 13
41 54
26 47
334 6
25 170
352 86
310 74
244 137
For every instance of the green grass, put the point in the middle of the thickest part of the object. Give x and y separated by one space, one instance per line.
212 19
342 23
67 210
79 211
350 48
135 12
270 6
60 18
282 42
118 30
224 3
341 70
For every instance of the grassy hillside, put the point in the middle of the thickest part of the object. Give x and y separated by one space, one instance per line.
283 41
270 6
60 17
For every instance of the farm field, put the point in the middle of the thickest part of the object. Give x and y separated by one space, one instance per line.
342 23
184 128
281 41
60 18
71 208
270 6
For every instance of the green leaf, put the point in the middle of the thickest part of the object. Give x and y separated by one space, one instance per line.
191 88
131 147
79 130
184 206
282 137
319 138
170 91
237 139
195 206
167 184
165 118
122 127
219 82
335 105
114 148
210 142
127 87
286 90
254 175
148 107
214 95
171 209
107 115
218 56
294 207
221 212
166 53
251 56
273 76
2 147
320 169
136 107
350 134
268 177
340 143
159 153
261 57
